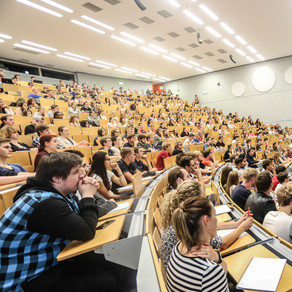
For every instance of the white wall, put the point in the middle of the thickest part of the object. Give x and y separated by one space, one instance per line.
273 106
109 82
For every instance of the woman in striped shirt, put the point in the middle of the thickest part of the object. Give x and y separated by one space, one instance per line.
195 224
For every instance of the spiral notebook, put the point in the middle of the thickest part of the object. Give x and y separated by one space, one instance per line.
262 274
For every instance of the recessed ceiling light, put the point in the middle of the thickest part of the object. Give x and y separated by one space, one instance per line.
194 63
57 5
241 40
97 22
177 56
170 59
200 70
208 12
129 69
106 63
39 46
207 68
132 37
145 73
161 77
241 52
41 8
228 43
87 26
252 49
193 17
2 41
186 65
69 58
141 75
227 28
99 65
157 48
30 48
250 59
157 79
259 56
124 71
174 3
149 51
213 32
5 36
77 56
123 41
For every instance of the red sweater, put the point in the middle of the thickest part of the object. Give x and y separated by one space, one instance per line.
162 155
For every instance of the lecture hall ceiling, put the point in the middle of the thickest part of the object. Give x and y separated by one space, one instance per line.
165 40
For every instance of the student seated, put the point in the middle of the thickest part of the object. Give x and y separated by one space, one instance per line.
166 152
140 165
172 200
99 171
42 221
48 144
232 182
65 141
195 224
261 202
10 172
243 191
12 134
280 222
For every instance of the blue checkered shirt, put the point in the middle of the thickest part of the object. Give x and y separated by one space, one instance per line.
24 255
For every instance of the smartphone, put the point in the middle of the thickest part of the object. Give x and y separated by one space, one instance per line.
105 224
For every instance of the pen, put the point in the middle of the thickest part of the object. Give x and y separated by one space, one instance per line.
248 212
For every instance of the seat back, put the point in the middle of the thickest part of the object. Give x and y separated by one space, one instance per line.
138 187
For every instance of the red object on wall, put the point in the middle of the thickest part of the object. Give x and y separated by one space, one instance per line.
155 87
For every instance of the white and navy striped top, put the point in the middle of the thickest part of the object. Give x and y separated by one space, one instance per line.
194 274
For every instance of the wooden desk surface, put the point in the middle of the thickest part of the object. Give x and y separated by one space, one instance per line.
238 262
208 191
223 217
240 243
102 236
118 213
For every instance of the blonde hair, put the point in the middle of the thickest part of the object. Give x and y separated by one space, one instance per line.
249 174
187 220
284 195
171 201
7 131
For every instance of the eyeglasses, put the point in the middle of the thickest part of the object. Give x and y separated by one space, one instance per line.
107 159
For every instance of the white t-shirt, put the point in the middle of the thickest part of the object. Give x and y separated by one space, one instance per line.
110 174
279 223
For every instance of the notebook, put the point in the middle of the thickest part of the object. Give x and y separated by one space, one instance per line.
262 274
120 207
222 209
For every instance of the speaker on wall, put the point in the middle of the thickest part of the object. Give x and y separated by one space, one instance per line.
140 4
231 58
199 38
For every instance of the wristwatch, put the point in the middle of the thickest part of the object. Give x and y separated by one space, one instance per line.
220 258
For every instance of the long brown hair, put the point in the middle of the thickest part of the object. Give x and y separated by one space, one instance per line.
187 220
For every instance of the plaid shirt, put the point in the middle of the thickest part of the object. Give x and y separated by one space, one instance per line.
24 255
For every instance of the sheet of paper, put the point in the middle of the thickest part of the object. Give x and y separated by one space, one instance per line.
262 274
126 188
224 232
120 206
222 209
147 178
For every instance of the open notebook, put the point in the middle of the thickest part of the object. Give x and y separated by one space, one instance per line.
262 274
119 207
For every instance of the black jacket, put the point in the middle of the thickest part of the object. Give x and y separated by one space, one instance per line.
260 204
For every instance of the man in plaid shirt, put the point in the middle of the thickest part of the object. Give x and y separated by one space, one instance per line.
44 218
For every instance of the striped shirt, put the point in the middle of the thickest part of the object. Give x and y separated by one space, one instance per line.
194 274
